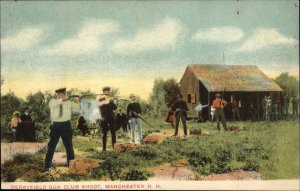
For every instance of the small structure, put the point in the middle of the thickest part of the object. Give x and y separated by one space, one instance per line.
246 83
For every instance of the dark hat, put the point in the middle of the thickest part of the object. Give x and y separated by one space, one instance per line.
218 95
106 90
102 98
61 90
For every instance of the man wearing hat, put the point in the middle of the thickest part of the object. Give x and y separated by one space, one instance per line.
180 108
133 112
26 116
108 120
60 112
218 105
14 123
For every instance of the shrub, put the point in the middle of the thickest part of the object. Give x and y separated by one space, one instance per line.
136 175
25 166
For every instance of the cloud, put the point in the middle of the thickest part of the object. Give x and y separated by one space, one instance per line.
88 39
161 36
26 38
265 38
219 34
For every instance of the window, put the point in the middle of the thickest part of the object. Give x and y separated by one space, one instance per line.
191 98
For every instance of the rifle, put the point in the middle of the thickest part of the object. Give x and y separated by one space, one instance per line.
145 121
222 106
87 95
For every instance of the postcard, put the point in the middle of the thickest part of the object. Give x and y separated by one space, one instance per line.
150 95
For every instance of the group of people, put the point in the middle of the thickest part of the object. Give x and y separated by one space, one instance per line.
179 109
21 125
272 109
61 110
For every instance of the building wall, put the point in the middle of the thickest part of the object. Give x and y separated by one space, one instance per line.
189 85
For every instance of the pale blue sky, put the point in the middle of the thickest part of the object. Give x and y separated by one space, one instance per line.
127 44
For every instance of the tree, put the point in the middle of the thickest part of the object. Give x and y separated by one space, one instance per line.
288 83
9 103
157 98
114 92
172 91
38 107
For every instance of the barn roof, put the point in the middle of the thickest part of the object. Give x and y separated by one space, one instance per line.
233 78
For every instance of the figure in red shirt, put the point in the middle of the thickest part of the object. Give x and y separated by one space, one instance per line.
218 105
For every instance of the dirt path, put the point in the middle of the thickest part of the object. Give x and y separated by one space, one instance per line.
237 175
8 150
176 171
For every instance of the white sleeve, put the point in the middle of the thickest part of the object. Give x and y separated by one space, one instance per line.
54 103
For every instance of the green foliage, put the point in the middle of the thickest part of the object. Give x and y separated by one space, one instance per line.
157 98
136 175
25 166
9 104
164 94
288 83
172 90
272 149
38 107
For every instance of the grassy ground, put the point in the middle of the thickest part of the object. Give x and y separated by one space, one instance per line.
270 148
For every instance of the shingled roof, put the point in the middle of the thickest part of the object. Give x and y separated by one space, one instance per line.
233 77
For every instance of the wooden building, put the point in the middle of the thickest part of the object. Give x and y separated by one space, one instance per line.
246 83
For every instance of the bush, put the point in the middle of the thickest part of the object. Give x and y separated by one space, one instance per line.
25 166
136 175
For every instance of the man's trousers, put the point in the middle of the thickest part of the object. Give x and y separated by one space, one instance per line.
63 130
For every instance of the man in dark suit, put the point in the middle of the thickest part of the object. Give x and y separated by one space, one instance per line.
180 108
26 116
122 121
108 120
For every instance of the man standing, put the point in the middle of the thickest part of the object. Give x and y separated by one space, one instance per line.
14 123
263 105
108 120
199 109
251 112
60 112
295 104
219 105
133 112
235 109
286 103
26 116
180 108
122 121
269 109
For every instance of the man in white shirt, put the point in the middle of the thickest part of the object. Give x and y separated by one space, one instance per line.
199 109
60 112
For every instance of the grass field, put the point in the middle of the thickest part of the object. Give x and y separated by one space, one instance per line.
270 148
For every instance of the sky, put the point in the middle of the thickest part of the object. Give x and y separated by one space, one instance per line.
128 44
